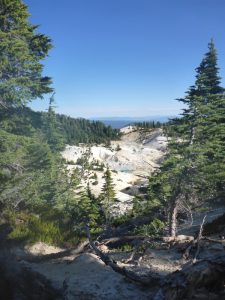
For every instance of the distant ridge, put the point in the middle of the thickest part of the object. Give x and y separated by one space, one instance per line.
119 122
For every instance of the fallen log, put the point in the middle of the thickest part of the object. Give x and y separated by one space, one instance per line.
213 240
203 280
177 238
152 277
119 240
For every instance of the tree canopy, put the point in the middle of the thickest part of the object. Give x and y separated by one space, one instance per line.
22 49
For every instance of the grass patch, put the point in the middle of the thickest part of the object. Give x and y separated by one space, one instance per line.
30 229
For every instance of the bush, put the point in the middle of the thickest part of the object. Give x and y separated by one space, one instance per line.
32 229
155 228
125 248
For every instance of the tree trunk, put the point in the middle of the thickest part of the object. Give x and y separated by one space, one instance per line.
173 219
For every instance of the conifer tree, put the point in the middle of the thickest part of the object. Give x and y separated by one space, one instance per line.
51 127
21 51
199 96
193 170
108 196
202 119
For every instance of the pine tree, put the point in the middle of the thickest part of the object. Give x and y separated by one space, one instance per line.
21 50
205 110
200 95
108 196
51 127
193 171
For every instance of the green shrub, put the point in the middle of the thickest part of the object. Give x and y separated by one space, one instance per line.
125 248
122 219
33 229
155 228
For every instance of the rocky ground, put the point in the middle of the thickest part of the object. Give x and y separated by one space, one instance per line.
83 275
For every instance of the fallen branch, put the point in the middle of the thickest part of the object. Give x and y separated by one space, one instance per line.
188 250
213 240
131 257
118 240
150 278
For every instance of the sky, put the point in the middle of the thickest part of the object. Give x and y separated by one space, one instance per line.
128 58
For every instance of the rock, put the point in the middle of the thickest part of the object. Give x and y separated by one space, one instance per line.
17 282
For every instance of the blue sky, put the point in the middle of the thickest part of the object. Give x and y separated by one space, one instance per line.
126 57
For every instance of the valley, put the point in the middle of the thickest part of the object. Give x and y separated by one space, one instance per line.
131 160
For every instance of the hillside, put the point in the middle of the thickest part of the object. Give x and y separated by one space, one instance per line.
24 121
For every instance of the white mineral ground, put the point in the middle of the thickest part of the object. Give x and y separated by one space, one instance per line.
139 155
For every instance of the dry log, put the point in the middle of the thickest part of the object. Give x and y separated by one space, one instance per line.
151 278
203 280
136 239
213 240
131 258
186 254
178 238
119 240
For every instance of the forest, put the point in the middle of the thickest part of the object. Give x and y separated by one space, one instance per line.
42 201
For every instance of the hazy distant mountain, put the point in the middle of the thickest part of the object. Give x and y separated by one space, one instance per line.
119 122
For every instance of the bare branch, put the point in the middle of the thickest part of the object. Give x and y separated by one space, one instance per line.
198 239
150 278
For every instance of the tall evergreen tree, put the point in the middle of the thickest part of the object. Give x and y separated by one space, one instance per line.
51 127
198 96
108 196
21 51
202 119
196 147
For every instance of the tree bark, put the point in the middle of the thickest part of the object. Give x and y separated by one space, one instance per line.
173 219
